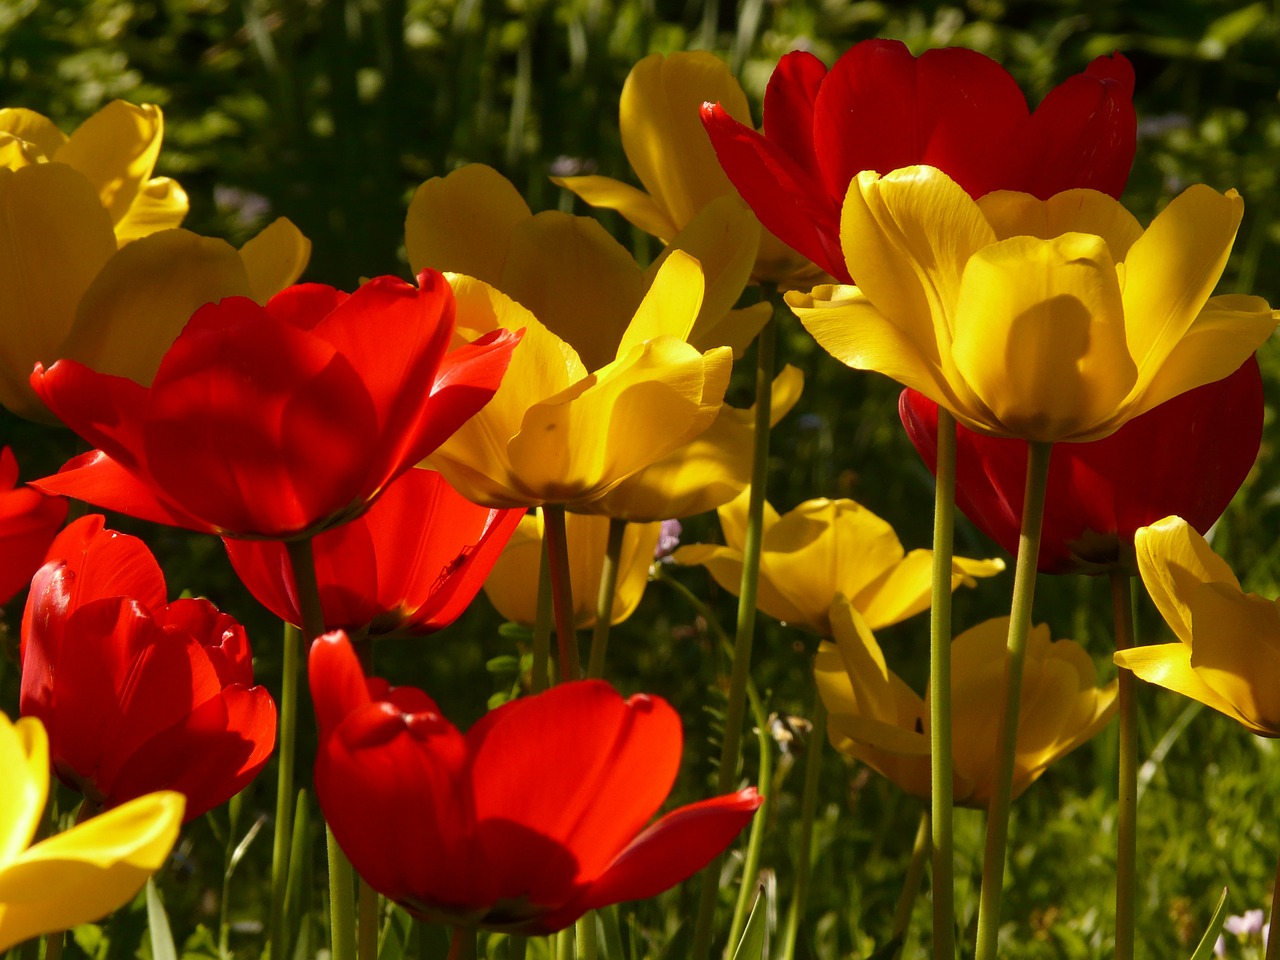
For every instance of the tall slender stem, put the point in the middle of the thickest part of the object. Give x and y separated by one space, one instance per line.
747 889
944 513
1024 585
342 914
587 942
285 757
604 599
804 843
731 748
553 530
1127 793
541 669
911 885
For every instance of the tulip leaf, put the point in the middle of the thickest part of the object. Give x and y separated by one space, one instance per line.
162 945
610 934
751 946
1205 949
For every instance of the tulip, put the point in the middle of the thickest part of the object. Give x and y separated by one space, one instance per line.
84 873
1042 320
138 694
1228 650
684 186
523 824
875 717
1100 493
879 108
115 151
410 565
512 587
824 548
277 421
29 520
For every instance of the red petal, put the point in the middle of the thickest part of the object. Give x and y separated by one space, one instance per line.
107 563
788 109
105 410
337 682
304 305
28 522
263 567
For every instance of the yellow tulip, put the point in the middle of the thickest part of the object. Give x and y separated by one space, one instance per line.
1044 320
115 150
84 873
705 473
474 222
1228 650
824 548
873 716
674 161
512 587
69 291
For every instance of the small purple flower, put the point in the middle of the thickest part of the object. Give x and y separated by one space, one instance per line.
668 540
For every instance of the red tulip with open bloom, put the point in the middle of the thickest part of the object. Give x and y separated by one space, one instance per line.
28 522
277 421
138 694
879 108
533 817
1187 456
411 564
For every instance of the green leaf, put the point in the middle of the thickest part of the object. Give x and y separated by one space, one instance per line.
162 945
751 946
1205 950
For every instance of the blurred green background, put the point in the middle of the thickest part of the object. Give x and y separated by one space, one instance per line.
331 112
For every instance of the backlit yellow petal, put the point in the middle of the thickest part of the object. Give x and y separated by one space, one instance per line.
160 204
1169 665
1013 214
33 128
116 150
670 306
637 207
24 756
275 258
462 223
1236 651
1173 560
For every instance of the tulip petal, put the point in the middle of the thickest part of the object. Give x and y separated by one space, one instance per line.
1173 560
24 753
37 130
1013 214
1236 642
116 149
96 478
275 258
463 223
670 306
636 207
1169 665
160 204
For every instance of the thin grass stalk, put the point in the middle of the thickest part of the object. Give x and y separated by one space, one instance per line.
911 885
940 746
747 889
604 599
1024 584
1127 791
541 669
766 346
804 844
224 925
553 533
286 753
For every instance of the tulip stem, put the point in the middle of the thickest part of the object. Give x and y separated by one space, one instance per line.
911 885
731 747
587 943
367 929
604 599
1127 792
804 843
562 590
286 753
540 672
462 945
748 889
1024 585
342 916
940 766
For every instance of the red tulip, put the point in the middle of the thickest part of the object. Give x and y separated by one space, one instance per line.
410 564
1188 457
523 824
28 522
880 109
277 421
138 694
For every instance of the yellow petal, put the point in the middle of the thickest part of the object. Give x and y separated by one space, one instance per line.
637 207
144 296
905 588
16 154
54 238
1040 337
1174 560
1169 665
864 663
1171 271
670 306
24 756
662 134
1013 214
462 223
32 128
576 279
275 258
160 204
88 871
116 149
1236 651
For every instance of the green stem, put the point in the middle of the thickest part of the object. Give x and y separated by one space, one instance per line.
732 745
911 885
1127 794
224 903
1273 931
941 801
747 889
604 599
541 669
553 531
1024 584
517 947
286 754
804 843
462 945
367 929
342 914
585 929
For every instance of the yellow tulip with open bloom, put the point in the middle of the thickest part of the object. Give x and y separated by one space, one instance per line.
685 188
79 875
573 276
705 473
824 548
68 289
1044 320
1228 650
115 150
512 586
873 716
